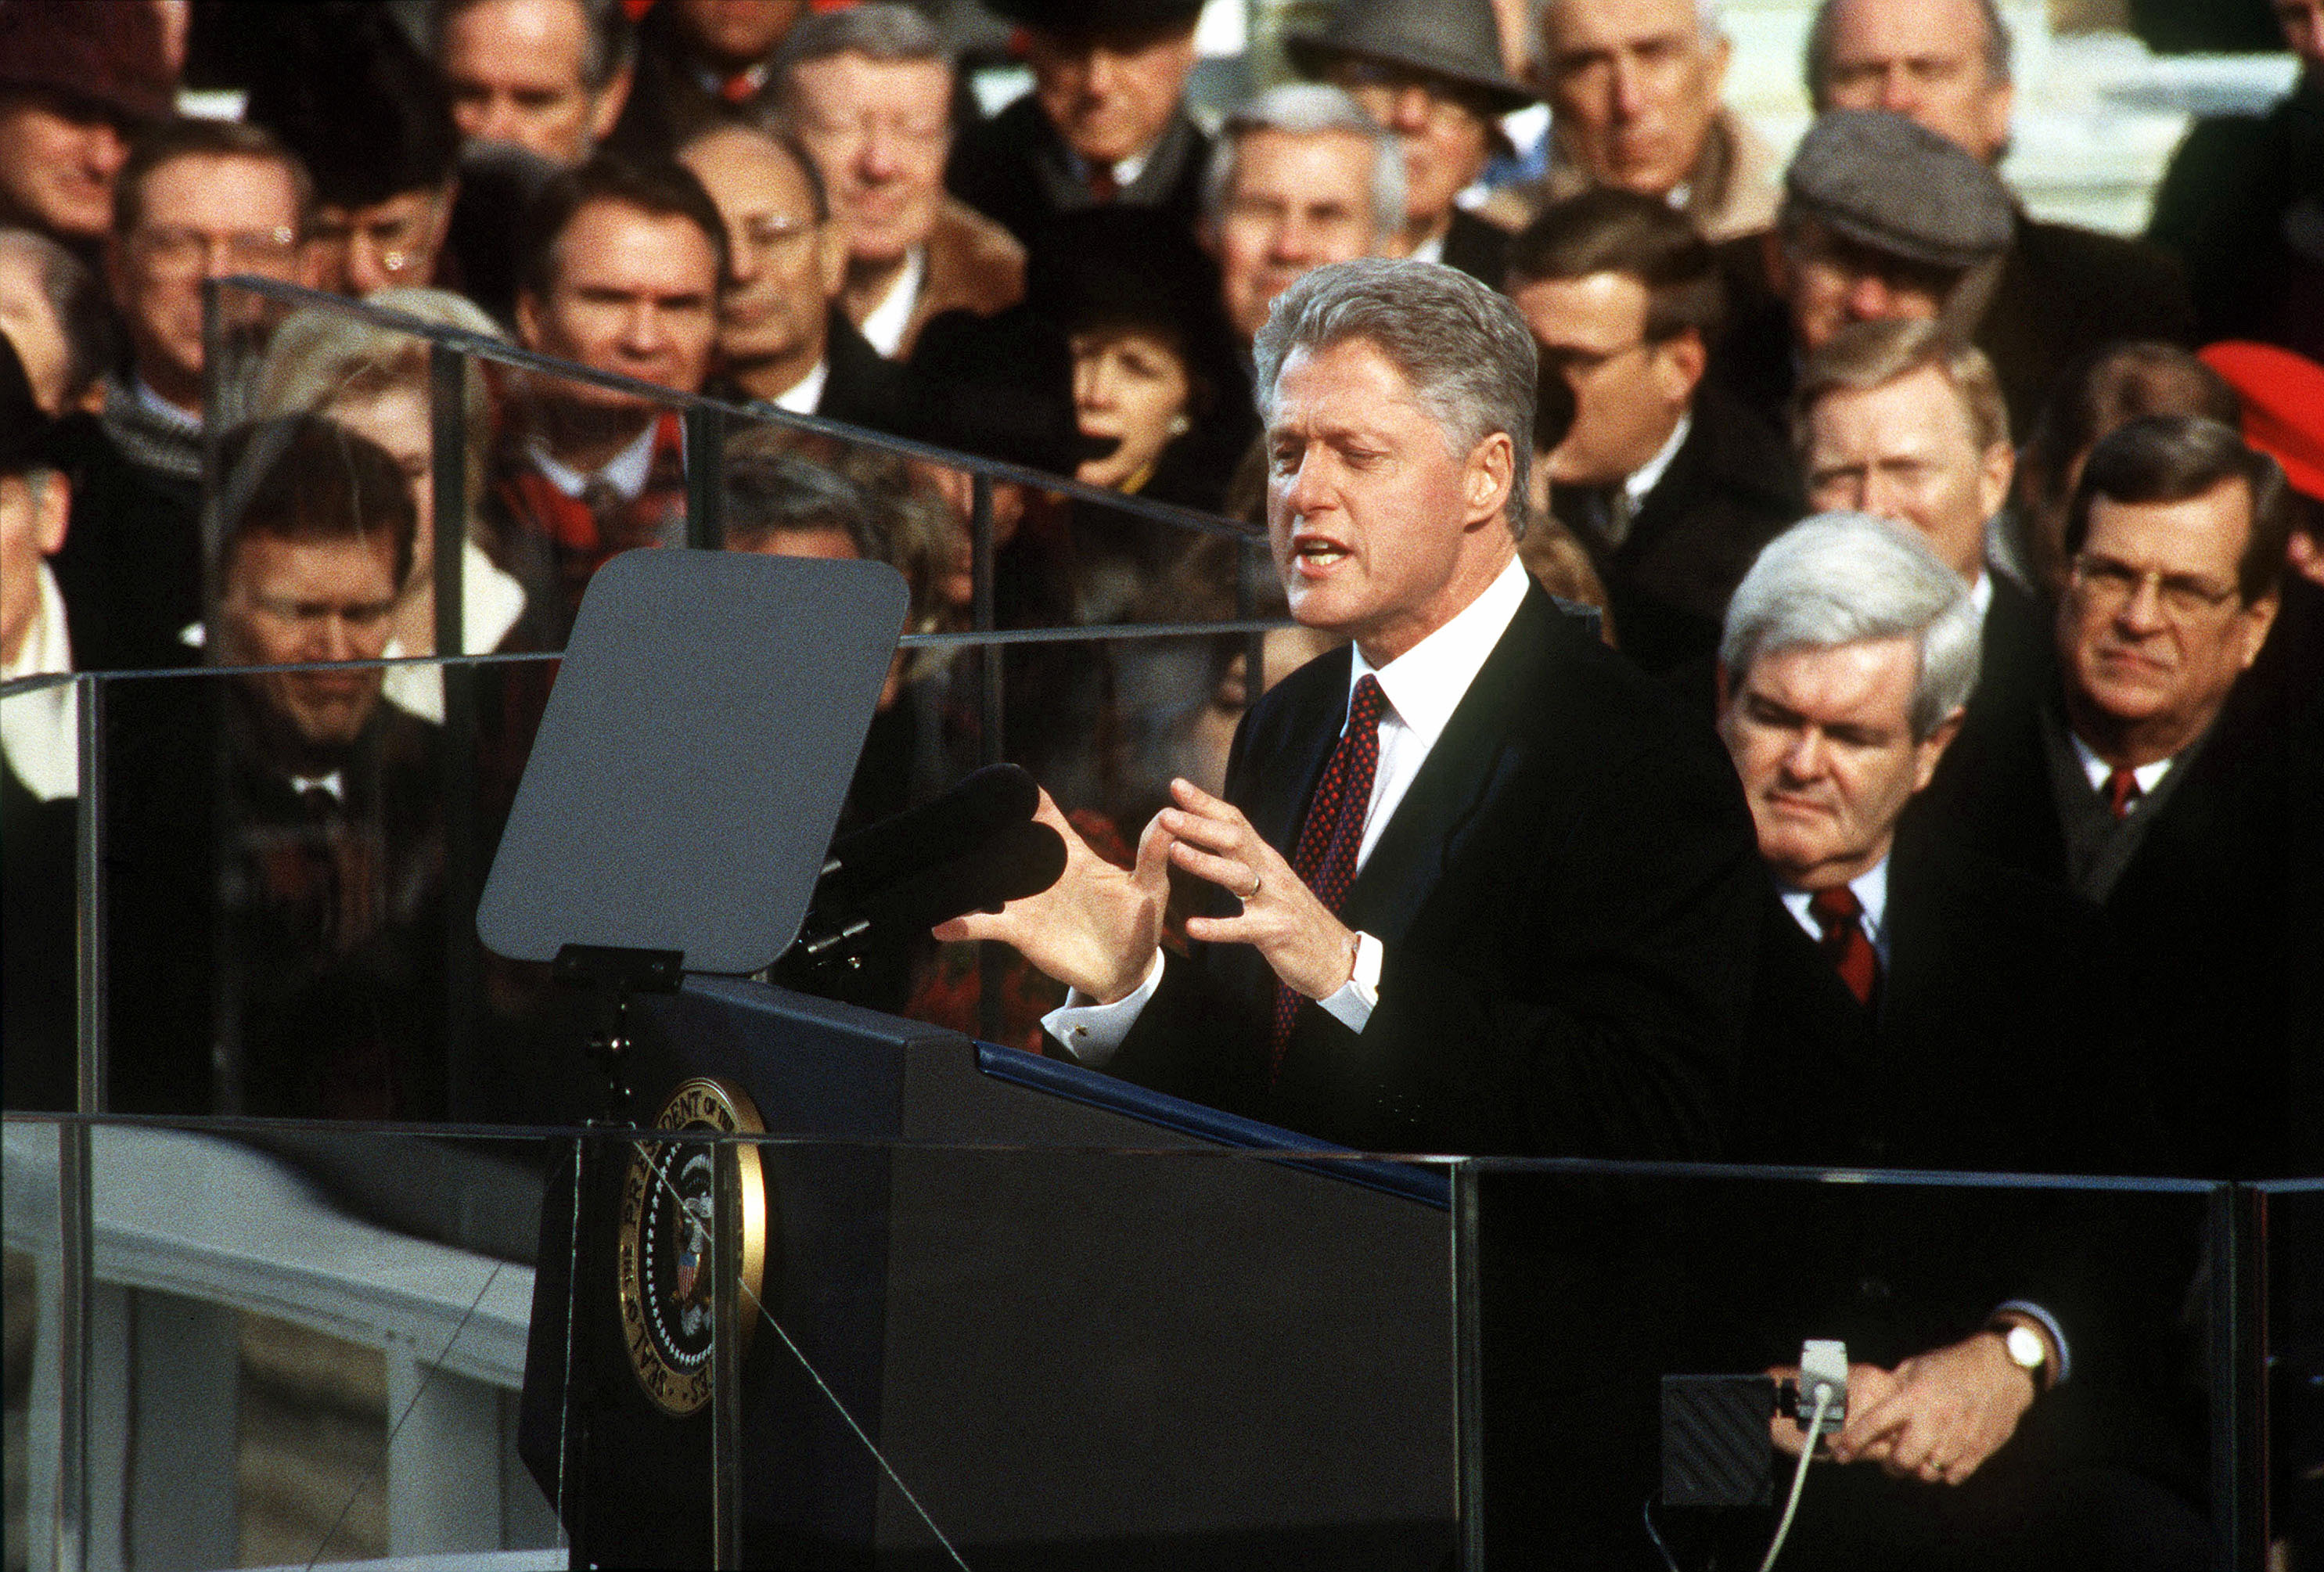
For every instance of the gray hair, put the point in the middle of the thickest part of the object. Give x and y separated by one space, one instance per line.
1817 62
75 302
1844 579
880 30
1311 109
1463 348
1707 19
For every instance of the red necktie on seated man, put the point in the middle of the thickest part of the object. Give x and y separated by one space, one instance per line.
2123 792
1846 945
1331 834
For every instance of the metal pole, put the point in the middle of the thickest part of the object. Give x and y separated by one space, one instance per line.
1469 1375
76 1185
991 962
726 1360
705 477
447 422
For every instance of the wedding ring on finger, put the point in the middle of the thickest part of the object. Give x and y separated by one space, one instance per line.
1256 885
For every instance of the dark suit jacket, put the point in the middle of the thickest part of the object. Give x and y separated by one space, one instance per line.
1015 170
1731 488
2235 189
1478 248
1999 1038
2064 291
1568 899
864 388
131 569
2201 912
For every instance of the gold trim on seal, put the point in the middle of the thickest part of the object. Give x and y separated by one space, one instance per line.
665 1216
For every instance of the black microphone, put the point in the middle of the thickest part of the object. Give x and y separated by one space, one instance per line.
991 798
973 849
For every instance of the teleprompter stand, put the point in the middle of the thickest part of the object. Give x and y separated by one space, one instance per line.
673 816
1012 1312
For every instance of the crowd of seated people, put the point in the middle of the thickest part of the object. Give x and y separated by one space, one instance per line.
808 211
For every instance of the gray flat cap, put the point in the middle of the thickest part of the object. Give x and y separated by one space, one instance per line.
1895 186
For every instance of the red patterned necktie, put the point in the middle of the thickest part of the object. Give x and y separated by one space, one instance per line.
1102 187
1839 914
1331 834
2122 789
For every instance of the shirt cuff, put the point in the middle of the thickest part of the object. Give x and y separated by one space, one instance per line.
2049 1323
1352 1003
1093 1033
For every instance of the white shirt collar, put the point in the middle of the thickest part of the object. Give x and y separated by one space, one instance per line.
2096 770
1980 596
143 392
625 471
802 396
1871 889
335 783
40 732
1426 684
1126 171
1431 249
1647 474
886 324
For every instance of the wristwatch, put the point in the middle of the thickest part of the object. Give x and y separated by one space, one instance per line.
2026 1350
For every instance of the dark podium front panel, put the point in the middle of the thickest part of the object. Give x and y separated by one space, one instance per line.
1082 1325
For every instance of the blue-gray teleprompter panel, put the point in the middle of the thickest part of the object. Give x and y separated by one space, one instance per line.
691 764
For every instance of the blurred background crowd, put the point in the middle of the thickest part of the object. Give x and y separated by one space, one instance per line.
1914 258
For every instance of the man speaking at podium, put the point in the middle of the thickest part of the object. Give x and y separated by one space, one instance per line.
1480 885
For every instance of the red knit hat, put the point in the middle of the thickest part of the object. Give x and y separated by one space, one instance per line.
110 55
2284 406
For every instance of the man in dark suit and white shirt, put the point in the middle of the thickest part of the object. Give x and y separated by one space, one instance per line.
1671 483
1511 906
2148 777
1918 1006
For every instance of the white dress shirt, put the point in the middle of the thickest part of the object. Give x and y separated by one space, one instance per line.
801 397
2148 776
40 732
884 328
1649 475
1423 686
626 471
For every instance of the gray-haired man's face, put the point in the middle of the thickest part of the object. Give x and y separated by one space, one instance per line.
1296 203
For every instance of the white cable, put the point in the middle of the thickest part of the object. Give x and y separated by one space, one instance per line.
1798 1475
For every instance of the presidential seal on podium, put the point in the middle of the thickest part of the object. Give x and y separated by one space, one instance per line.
667 1225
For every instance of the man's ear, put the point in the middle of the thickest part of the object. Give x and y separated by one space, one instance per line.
1718 51
527 320
1775 260
55 509
1685 357
1932 748
606 107
1492 470
1994 474
1721 684
2257 619
831 258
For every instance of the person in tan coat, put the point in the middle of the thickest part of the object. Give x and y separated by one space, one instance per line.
1635 85
868 92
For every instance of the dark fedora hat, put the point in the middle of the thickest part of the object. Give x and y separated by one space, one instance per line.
1089 18
109 56
1457 40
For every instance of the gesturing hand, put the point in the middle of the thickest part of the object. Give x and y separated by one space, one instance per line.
1866 1384
1310 949
1944 1413
1097 928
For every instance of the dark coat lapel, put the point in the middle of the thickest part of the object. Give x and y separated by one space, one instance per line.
1287 776
1479 747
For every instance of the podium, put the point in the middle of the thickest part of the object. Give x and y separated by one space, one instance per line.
1076 1324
